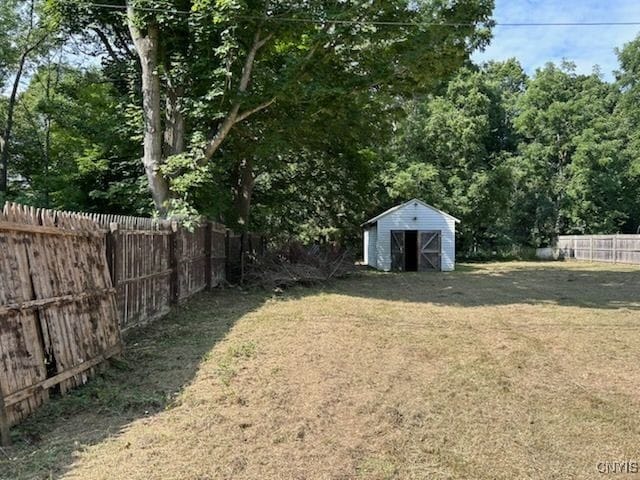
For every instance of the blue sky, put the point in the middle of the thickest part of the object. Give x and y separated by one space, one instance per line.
585 45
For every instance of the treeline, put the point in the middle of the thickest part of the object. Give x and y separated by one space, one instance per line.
305 129
521 160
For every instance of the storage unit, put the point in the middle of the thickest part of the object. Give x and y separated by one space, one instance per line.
413 236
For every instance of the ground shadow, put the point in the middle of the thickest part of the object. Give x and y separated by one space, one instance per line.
160 360
578 284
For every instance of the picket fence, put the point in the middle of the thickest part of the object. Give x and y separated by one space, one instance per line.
71 283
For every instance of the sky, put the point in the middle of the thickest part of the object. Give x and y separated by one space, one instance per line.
586 46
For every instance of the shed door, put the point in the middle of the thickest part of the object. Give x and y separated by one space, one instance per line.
429 250
397 250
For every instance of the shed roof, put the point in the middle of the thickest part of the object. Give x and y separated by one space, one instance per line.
373 220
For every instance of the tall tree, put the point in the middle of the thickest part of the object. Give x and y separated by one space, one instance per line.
147 46
28 34
71 148
568 135
208 66
628 121
453 151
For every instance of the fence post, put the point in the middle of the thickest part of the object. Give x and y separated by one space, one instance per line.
615 248
174 262
5 437
112 253
591 248
207 253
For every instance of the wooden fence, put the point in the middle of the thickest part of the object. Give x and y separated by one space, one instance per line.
70 283
58 314
601 248
154 268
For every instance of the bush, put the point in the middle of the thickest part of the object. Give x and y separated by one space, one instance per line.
509 253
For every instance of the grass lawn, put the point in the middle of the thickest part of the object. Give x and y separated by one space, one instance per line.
495 371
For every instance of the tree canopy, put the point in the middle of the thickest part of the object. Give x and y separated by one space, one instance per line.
301 119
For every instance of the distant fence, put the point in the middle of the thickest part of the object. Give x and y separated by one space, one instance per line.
153 268
70 283
601 248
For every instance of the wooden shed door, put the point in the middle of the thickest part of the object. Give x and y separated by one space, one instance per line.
397 250
429 250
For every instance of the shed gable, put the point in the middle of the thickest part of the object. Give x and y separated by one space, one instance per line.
415 202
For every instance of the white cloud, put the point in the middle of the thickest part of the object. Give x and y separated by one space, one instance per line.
584 45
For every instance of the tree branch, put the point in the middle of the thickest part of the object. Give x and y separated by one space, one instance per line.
122 42
107 44
234 116
223 131
244 115
35 45
258 43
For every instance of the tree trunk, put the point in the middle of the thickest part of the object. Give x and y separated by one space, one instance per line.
147 49
174 122
242 193
5 139
6 135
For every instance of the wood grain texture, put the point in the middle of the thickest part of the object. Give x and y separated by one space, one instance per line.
57 303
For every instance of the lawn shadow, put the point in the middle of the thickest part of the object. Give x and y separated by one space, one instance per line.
159 361
579 284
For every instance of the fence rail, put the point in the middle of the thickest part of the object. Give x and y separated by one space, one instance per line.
70 283
601 248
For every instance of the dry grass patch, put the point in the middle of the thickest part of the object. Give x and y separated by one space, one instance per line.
513 370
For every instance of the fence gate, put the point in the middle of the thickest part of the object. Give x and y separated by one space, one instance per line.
397 250
430 255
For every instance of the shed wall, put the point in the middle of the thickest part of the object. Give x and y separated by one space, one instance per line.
371 247
365 246
426 219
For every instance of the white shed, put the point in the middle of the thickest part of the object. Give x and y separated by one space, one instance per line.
413 236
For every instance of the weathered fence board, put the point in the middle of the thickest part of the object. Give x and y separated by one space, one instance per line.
191 260
141 273
57 305
601 248
151 269
217 255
